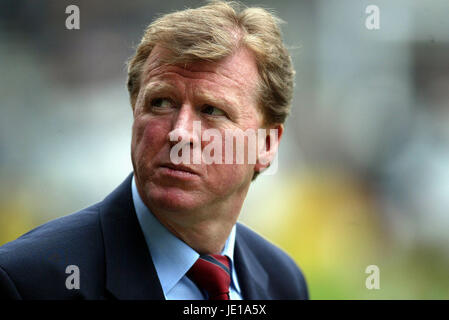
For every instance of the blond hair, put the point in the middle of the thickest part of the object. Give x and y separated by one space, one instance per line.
213 32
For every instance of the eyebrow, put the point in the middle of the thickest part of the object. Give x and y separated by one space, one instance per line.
157 88
220 99
165 87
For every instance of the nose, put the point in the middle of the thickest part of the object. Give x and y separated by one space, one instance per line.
186 127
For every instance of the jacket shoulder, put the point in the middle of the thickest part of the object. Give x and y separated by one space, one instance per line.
289 278
35 264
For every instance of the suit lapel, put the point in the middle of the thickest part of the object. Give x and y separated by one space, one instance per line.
252 277
130 273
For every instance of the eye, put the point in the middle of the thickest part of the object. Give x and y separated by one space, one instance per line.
162 103
213 111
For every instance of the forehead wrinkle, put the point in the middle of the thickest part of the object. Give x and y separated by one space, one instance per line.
231 64
189 71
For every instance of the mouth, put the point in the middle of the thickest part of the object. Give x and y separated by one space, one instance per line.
179 170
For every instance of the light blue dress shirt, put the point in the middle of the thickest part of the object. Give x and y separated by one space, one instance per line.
172 257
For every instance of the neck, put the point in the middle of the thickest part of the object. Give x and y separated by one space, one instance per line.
204 238
206 229
204 232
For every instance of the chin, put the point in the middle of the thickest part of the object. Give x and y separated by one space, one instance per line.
173 199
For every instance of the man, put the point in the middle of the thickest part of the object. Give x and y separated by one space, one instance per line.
170 230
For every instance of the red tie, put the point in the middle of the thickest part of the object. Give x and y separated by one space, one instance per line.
212 273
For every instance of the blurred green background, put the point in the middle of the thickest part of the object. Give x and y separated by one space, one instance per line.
363 174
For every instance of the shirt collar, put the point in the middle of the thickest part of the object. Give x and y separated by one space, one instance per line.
171 256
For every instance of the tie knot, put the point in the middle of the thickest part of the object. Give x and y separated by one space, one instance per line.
212 273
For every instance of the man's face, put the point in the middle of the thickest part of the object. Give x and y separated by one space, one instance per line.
220 96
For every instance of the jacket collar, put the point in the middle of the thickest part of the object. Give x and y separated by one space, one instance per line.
130 273
253 279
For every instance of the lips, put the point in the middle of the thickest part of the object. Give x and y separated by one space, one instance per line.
180 167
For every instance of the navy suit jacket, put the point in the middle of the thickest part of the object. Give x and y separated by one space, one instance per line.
107 245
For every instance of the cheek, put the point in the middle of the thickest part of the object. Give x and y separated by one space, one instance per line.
232 175
149 136
226 179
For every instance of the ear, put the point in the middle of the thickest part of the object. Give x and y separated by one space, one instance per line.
268 145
